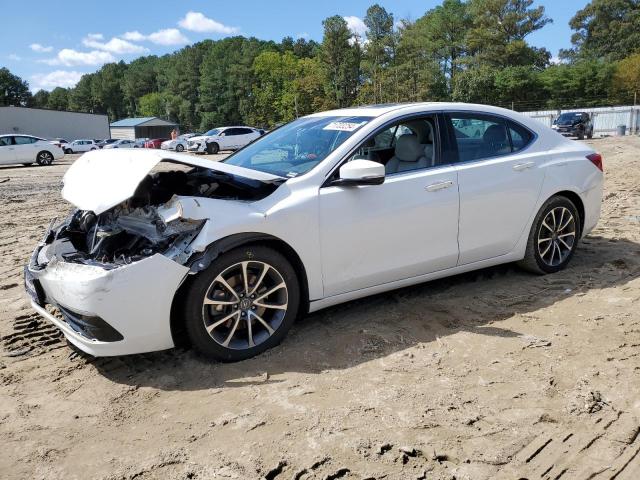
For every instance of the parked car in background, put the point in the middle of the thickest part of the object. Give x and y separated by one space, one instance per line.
139 142
59 142
81 146
154 142
574 124
223 138
329 208
106 141
121 143
27 149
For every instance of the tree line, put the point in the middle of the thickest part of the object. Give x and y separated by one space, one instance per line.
461 50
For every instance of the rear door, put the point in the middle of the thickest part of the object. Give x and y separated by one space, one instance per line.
499 178
26 148
7 151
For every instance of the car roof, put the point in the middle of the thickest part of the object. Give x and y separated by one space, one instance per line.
381 109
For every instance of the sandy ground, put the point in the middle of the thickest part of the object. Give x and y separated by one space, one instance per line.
492 374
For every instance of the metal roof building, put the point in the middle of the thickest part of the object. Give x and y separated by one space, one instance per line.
45 123
144 127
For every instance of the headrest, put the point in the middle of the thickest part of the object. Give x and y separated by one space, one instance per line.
408 148
495 134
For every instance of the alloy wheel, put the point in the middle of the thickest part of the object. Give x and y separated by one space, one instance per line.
245 305
557 236
45 158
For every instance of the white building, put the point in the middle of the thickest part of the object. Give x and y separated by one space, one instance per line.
53 123
145 127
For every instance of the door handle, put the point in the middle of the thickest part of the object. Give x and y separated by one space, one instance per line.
518 167
438 186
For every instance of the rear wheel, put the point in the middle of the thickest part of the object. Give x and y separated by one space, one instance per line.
44 158
553 238
213 148
243 304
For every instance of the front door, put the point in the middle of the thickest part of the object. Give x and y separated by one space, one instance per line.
406 227
7 150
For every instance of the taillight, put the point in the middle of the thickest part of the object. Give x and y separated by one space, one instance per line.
596 159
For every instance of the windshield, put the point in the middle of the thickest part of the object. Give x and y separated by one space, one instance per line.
297 147
212 132
567 117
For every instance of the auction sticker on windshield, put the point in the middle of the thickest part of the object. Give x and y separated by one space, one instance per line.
343 126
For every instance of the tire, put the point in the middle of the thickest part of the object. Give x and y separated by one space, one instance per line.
179 148
68 151
590 134
44 158
581 134
213 148
248 319
551 246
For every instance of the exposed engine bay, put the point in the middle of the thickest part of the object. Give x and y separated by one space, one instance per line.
151 221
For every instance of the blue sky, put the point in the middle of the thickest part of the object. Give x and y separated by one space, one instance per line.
53 43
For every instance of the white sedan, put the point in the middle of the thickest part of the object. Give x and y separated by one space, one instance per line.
329 208
179 144
81 146
223 138
122 143
26 149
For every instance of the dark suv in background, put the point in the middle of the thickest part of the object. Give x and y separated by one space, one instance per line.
574 124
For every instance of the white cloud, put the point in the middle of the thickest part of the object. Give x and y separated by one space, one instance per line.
304 35
168 36
356 25
115 45
70 57
197 22
58 78
14 57
36 47
134 36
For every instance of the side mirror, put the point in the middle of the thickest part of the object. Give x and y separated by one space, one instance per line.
360 172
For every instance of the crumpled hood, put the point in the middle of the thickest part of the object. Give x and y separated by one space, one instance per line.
100 180
201 138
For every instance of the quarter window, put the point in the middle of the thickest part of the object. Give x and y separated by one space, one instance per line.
5 141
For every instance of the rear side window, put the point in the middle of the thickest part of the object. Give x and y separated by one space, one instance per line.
24 140
4 141
481 136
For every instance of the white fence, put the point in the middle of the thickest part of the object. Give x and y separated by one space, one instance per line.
605 119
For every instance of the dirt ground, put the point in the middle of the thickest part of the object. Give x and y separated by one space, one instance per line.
491 374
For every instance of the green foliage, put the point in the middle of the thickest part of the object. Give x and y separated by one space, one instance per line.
608 29
58 99
13 90
462 50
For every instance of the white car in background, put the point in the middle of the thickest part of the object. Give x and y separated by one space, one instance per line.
122 143
180 144
223 138
26 149
81 146
331 207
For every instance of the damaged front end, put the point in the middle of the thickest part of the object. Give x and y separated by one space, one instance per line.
112 267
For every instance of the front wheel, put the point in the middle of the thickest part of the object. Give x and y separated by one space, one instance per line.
243 304
179 148
213 148
553 238
44 158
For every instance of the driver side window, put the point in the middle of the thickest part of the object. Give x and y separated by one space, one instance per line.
403 146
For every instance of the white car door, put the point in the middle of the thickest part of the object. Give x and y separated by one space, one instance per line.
499 182
7 151
26 148
406 227
228 139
